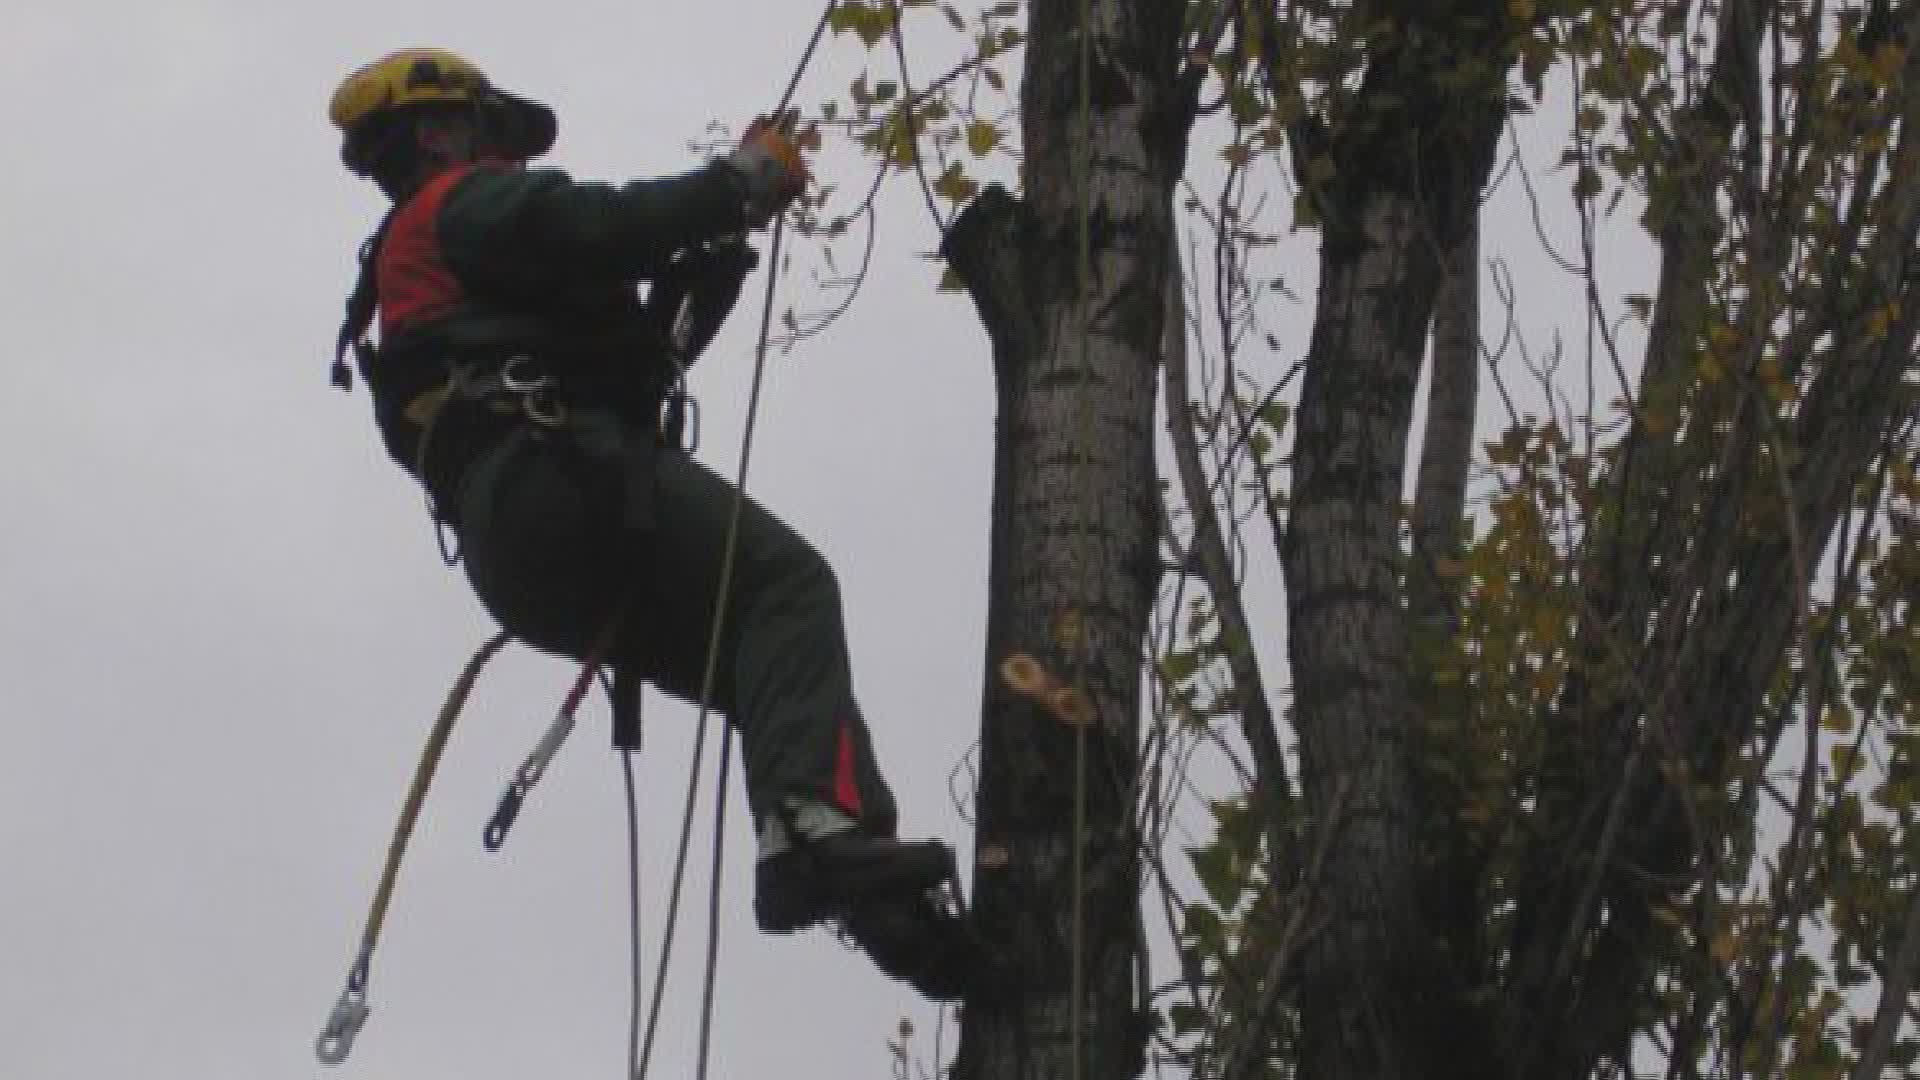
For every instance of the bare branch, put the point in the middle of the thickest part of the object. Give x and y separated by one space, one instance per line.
1216 568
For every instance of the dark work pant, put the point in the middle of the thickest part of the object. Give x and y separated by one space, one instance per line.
556 538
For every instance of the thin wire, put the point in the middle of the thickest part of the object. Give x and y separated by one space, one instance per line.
673 898
713 898
724 589
633 910
906 115
806 58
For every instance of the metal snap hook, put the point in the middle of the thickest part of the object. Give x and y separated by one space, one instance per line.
495 833
343 1025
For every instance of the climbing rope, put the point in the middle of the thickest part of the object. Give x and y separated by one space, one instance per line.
633 908
728 558
350 1012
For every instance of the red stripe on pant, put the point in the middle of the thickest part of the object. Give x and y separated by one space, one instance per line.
846 791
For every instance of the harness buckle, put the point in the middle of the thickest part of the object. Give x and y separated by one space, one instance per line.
523 376
680 422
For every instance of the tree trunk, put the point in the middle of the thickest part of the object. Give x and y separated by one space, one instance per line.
1074 561
1446 451
1408 161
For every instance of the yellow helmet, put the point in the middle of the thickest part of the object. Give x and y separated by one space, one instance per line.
426 76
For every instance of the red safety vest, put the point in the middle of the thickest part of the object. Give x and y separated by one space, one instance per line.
415 283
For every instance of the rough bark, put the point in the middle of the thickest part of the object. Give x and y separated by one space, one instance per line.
1446 451
1409 163
1453 896
1074 561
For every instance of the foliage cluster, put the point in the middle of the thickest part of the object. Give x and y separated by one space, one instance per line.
1719 472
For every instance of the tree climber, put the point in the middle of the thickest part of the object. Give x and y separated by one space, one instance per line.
521 378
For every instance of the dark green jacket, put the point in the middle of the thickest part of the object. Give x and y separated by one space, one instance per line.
490 260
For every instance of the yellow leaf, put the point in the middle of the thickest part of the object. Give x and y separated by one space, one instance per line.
982 137
1069 631
1544 682
1887 60
1880 319
1724 947
1903 475
955 185
1845 764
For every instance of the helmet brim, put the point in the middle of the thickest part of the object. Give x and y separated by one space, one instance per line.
527 128
517 129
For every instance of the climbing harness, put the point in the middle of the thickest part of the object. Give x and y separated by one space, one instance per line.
535 390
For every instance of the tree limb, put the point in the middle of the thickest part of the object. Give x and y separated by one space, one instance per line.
984 246
1439 508
1271 788
1894 989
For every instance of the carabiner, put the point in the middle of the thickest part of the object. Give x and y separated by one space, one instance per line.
543 408
513 381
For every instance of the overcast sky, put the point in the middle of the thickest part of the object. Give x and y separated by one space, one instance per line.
224 629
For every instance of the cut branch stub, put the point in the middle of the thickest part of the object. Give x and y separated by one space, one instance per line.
1030 679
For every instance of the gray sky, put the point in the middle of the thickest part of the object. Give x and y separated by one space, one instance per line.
225 629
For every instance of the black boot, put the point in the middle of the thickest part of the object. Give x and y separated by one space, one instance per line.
897 901
922 939
816 880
